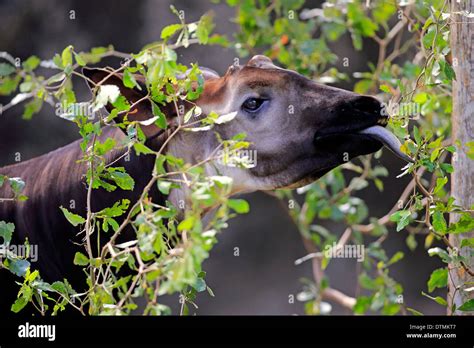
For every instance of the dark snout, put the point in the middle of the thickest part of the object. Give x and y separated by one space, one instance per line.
337 137
351 114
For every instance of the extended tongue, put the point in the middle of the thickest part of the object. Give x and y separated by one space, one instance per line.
388 139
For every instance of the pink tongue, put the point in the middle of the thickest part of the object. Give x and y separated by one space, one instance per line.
388 139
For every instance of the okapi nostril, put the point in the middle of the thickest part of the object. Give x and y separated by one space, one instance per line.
368 104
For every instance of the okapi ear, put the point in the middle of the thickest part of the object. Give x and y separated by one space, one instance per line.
142 111
263 62
207 74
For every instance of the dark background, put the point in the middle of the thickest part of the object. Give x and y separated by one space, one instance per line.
262 278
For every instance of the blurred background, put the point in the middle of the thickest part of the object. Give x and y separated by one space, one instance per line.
263 278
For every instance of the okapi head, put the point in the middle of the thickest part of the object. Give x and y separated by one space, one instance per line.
299 129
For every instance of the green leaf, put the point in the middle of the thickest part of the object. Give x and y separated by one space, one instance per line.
161 120
390 309
240 206
362 305
102 148
9 85
80 259
428 37
449 72
31 276
6 231
121 104
468 242
66 56
383 11
95 54
438 279
366 282
379 184
142 149
221 180
440 183
17 185
19 266
164 186
123 180
73 219
187 224
116 210
363 86
385 88
6 69
467 306
128 79
358 183
19 304
194 111
443 254
411 242
200 285
464 225
402 218
26 87
395 258
60 287
79 60
421 98
58 61
416 135
437 299
31 108
211 293
170 30
414 312
439 223
56 78
434 155
113 223
204 28
448 168
470 149
31 63
225 118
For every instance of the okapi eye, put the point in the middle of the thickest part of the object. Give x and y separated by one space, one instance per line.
252 104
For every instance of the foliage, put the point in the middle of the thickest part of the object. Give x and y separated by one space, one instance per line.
167 253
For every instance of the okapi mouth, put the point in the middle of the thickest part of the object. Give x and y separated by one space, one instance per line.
329 151
337 148
364 118
331 147
372 133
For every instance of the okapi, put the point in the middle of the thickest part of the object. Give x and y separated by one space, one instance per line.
327 126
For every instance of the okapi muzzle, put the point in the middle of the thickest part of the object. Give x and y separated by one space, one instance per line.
298 129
